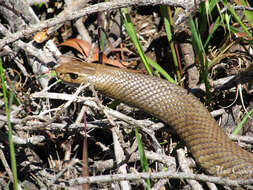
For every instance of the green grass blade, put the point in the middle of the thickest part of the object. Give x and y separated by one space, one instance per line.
232 11
212 4
196 39
133 36
238 128
227 19
205 10
199 50
248 14
215 26
12 149
144 161
167 23
161 70
147 61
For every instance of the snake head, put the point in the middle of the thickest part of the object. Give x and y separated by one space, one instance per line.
74 71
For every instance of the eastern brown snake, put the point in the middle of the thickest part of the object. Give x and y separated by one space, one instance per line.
209 145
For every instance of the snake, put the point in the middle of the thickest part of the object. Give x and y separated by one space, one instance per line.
213 150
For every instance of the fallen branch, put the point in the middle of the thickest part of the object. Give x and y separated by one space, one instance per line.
158 175
99 7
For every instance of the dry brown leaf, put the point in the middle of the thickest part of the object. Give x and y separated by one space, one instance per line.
84 48
41 36
243 35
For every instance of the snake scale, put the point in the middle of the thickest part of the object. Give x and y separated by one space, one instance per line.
175 106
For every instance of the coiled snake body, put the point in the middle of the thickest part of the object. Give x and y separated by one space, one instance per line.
209 145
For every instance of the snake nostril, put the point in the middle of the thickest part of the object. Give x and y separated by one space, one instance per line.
73 76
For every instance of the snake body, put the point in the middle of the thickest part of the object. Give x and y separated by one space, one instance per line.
175 106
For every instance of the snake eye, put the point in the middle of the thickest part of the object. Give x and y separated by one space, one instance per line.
73 76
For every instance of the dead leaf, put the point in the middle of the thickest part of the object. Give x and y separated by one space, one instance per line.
41 36
84 48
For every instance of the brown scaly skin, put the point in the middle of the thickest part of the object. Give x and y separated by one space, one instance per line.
210 146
